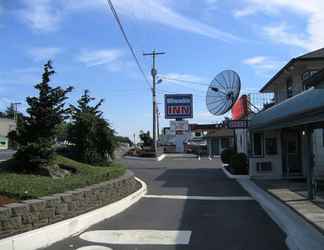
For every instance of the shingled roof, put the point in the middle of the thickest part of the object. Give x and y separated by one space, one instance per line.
314 55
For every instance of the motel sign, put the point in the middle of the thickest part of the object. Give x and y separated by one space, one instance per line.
178 106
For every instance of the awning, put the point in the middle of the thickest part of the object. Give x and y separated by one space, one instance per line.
299 110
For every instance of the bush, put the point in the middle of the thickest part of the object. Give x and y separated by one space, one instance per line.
226 155
21 186
239 163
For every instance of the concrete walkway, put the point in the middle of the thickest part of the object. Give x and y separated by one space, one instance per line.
294 195
300 234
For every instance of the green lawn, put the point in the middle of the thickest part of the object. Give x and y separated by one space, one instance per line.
26 186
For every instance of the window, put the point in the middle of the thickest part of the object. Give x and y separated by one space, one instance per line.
306 75
225 142
271 146
289 88
197 134
258 144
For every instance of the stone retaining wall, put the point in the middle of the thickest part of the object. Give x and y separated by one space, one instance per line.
27 215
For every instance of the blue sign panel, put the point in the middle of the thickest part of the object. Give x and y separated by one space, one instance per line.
178 106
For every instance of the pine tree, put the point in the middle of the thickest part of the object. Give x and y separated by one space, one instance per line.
92 136
37 131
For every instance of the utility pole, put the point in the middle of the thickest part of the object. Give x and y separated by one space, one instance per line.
15 108
158 122
134 140
154 73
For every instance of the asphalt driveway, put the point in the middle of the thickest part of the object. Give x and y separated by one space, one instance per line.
190 203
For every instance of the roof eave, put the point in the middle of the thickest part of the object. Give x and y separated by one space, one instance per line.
292 61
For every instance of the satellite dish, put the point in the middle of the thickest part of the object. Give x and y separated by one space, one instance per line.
223 92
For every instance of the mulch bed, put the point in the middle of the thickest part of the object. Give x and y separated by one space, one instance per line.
5 200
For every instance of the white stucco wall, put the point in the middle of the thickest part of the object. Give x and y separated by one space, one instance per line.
6 125
274 159
241 140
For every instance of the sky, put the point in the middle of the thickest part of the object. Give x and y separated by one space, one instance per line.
201 38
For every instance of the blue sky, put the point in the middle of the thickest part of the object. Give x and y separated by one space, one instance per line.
200 38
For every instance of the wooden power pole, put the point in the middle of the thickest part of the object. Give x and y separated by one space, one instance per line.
154 73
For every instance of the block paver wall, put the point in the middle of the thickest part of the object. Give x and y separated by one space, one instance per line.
27 215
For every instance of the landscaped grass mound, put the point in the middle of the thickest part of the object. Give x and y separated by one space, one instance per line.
28 186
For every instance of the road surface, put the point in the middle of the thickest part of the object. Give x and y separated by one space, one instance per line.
190 205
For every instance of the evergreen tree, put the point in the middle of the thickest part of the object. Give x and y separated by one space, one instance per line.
92 136
37 132
146 138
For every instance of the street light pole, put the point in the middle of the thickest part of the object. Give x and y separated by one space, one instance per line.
154 73
15 109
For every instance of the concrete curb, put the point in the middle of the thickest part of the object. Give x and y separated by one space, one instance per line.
231 176
300 234
48 235
159 158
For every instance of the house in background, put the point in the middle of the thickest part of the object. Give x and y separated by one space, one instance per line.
218 140
6 125
285 136
203 139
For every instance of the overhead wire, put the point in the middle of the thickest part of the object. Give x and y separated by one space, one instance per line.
182 80
112 8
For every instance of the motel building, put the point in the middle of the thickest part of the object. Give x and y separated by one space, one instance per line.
286 140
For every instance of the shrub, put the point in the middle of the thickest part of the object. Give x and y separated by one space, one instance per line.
239 163
226 155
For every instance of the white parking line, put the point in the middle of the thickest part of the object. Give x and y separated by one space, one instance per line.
138 237
210 198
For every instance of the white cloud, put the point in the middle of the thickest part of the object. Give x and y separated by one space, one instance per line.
43 54
46 15
280 34
255 60
310 10
142 9
41 15
99 57
262 64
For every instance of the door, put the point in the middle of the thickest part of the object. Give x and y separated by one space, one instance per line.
214 146
293 154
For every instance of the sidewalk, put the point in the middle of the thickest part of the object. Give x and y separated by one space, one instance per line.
294 194
301 235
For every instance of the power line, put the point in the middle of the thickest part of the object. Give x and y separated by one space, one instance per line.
183 80
112 8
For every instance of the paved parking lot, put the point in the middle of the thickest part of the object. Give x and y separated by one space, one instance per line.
190 204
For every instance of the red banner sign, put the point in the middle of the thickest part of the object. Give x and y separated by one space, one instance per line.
240 108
